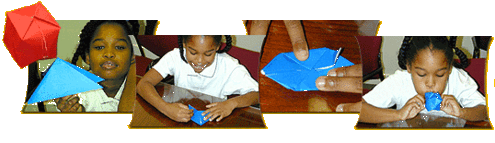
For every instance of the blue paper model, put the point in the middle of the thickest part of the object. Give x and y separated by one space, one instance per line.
197 117
301 75
432 101
63 79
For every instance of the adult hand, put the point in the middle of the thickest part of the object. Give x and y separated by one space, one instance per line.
344 79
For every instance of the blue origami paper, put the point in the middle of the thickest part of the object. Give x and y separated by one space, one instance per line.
63 79
297 75
197 117
432 101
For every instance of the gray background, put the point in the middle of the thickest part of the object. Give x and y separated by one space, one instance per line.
224 17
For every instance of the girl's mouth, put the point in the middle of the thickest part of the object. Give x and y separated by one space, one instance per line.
198 66
108 65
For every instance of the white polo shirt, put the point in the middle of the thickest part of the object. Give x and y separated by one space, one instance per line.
225 76
399 88
98 101
95 101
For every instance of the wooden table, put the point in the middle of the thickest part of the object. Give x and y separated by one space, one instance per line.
319 33
438 123
147 116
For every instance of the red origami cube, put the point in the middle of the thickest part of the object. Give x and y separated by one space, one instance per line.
31 34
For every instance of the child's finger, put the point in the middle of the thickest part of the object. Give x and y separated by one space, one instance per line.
74 107
183 106
219 118
211 105
355 70
420 98
343 84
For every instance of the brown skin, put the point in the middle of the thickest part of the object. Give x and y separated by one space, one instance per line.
110 44
345 79
429 71
69 104
199 49
296 34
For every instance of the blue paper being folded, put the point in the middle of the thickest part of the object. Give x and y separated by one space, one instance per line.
197 117
63 79
297 75
432 101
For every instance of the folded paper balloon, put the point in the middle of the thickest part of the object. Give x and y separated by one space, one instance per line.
197 117
31 34
432 101
297 75
63 79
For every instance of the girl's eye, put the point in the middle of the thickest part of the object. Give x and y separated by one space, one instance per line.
192 53
421 75
120 47
99 47
209 54
440 75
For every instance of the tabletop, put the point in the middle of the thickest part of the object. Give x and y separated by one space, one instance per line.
421 122
319 33
147 116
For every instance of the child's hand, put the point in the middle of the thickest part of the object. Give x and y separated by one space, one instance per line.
218 109
412 107
345 79
69 104
450 106
179 112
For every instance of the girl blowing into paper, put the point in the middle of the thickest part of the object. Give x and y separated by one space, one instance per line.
199 64
427 66
106 47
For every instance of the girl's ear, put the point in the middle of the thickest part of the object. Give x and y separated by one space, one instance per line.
408 67
87 59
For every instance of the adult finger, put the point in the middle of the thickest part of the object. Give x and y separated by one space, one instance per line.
259 27
297 38
355 70
343 84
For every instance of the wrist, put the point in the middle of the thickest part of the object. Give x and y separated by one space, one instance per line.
232 103
399 115
462 111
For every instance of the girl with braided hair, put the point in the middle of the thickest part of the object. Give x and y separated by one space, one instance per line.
200 65
427 66
106 47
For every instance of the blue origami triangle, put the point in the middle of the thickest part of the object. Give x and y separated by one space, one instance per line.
432 101
197 117
63 79
297 75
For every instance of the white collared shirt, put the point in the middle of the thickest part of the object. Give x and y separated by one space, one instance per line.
399 88
225 76
98 101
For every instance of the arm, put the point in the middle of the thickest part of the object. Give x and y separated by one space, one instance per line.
372 114
225 108
146 88
476 113
245 100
